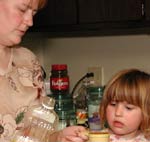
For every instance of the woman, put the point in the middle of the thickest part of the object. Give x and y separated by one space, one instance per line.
21 83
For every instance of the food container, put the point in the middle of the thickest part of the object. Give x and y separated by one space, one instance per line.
98 137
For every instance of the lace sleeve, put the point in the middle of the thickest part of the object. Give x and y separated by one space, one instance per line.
29 69
38 77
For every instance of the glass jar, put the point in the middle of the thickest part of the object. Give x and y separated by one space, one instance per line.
65 109
93 101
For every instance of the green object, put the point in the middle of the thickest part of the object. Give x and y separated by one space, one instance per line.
19 117
94 97
65 109
95 94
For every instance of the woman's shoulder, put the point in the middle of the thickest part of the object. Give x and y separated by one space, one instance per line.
22 55
23 52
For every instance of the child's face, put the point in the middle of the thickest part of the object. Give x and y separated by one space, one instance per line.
124 119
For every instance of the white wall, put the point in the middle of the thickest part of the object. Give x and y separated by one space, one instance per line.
112 52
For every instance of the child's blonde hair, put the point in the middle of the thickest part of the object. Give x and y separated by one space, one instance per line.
133 86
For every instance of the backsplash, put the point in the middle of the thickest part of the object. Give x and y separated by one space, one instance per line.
114 53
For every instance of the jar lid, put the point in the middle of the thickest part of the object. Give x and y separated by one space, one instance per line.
94 90
48 102
59 67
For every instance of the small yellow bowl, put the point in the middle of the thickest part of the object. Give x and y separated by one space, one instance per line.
98 137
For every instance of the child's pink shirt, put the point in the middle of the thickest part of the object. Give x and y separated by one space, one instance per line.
139 138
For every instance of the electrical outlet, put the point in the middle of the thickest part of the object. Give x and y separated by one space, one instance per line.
98 79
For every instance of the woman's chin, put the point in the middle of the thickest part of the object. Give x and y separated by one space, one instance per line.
16 41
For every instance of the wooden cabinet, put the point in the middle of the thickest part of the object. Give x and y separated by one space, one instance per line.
92 17
92 11
56 12
147 10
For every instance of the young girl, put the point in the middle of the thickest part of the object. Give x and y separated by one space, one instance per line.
125 106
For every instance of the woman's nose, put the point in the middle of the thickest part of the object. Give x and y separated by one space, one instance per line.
29 19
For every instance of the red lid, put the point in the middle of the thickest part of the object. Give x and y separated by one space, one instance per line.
59 67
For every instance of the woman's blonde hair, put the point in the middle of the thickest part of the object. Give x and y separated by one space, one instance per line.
42 3
133 86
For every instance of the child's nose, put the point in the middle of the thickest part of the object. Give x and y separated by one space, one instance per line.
119 110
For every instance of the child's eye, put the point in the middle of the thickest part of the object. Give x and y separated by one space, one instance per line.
113 103
129 107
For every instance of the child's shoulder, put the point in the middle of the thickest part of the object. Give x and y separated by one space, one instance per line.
139 138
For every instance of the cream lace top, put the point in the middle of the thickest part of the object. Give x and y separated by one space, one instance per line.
21 85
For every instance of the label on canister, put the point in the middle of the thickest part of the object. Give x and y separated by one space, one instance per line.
93 100
93 117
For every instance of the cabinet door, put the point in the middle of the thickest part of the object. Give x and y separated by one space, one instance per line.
92 11
147 9
56 12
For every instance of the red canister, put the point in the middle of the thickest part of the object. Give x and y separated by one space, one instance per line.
59 79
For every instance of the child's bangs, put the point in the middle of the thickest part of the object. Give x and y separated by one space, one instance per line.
124 91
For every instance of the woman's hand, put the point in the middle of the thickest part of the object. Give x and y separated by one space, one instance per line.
73 134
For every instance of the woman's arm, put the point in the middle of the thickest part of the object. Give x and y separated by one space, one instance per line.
69 134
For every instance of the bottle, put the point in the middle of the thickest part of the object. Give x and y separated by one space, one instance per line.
81 106
65 109
94 97
59 79
40 121
66 118
59 86
79 94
